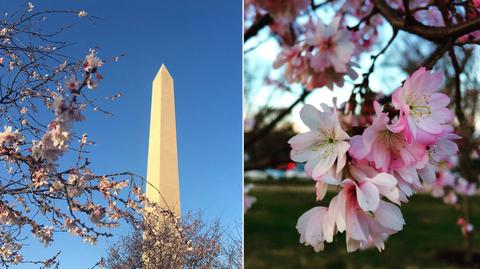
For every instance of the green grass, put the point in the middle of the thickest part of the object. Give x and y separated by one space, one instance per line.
272 242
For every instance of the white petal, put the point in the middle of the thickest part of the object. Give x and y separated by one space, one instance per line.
384 179
309 226
310 116
328 156
342 148
304 140
390 216
368 196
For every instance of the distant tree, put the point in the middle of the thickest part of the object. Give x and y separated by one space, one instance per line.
163 241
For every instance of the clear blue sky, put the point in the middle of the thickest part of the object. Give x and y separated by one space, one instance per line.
201 44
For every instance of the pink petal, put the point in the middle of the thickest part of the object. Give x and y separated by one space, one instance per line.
381 156
439 100
329 221
321 190
353 226
358 150
429 125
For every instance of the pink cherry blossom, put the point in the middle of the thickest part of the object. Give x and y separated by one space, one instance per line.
445 179
284 11
432 16
384 145
324 145
349 212
332 47
422 107
408 180
438 152
386 184
329 77
463 187
296 69
361 227
310 225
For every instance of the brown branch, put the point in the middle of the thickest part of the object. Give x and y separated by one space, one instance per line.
437 54
265 130
436 34
458 95
257 26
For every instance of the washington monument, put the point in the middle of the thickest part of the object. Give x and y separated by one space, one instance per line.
162 172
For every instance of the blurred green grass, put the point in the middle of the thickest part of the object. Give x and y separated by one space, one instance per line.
271 240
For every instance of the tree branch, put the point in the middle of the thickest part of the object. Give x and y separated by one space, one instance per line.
436 34
265 130
257 26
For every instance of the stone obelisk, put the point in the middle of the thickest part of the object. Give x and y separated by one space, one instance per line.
162 173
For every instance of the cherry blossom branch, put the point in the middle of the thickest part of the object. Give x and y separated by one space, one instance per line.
436 34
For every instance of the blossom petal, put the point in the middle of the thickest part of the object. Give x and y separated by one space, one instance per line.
303 140
430 125
321 189
309 226
326 161
310 116
438 100
342 148
390 216
353 227
368 195
357 148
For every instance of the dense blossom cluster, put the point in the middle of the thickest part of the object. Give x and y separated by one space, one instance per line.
375 171
318 55
323 59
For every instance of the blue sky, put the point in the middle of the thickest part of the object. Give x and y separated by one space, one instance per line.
201 44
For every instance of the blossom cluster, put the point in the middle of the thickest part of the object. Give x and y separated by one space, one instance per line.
377 169
56 140
318 55
323 59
